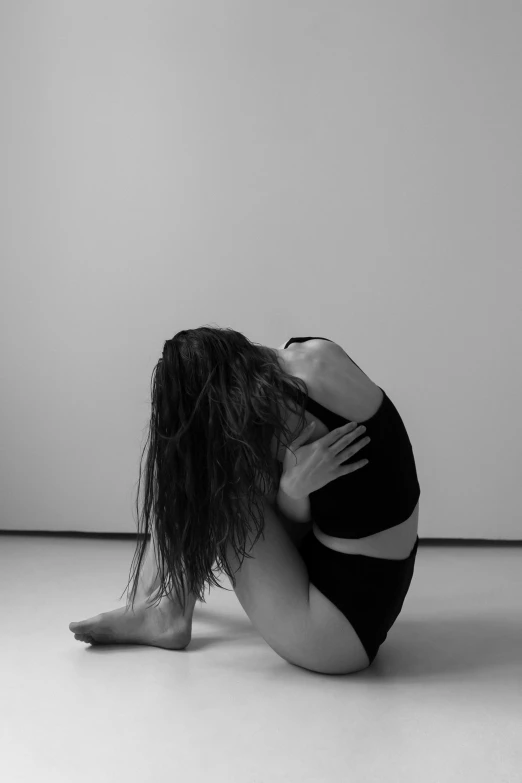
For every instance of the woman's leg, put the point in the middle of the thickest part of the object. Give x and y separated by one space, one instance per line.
291 614
149 579
159 625
273 587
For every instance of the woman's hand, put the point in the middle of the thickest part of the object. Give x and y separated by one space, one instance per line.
312 466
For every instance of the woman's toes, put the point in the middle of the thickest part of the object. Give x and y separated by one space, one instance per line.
83 638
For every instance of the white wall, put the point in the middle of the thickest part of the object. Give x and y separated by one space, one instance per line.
348 170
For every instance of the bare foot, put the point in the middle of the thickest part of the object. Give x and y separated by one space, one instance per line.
159 626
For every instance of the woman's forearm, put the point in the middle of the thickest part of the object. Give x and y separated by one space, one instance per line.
295 509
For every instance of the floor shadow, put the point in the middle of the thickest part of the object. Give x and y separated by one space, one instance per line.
420 647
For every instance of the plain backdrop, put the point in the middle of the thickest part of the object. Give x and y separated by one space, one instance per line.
350 170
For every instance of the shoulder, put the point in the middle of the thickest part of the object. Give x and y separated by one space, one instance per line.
339 384
322 364
325 347
327 355
317 347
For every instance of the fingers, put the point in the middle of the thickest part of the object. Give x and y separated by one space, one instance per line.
342 443
354 448
333 436
354 431
361 444
353 466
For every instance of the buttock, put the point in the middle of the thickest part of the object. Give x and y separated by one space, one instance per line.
369 591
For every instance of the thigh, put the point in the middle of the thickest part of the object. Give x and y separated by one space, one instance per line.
370 592
272 586
300 624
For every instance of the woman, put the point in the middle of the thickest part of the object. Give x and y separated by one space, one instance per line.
320 551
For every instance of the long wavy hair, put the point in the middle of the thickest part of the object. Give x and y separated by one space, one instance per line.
218 400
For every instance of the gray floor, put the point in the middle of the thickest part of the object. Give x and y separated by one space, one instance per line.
442 702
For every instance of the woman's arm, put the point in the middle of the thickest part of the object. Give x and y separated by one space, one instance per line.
294 509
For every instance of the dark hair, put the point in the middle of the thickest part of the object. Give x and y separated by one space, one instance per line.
218 400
